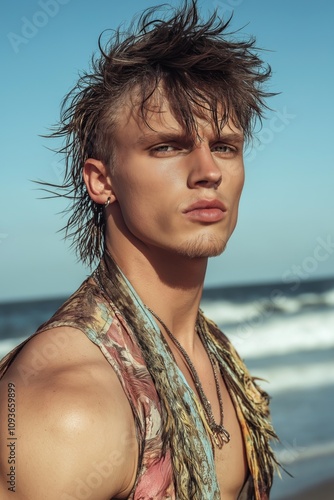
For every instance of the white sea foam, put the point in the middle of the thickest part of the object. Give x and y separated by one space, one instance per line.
226 312
310 331
290 378
223 312
277 334
290 454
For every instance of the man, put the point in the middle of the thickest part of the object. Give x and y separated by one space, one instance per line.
128 391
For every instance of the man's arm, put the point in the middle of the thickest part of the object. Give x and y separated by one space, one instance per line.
68 433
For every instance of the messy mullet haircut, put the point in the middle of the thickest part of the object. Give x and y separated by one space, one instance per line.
199 66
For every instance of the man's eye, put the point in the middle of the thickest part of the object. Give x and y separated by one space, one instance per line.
223 148
162 148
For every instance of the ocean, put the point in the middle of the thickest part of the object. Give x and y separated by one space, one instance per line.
286 337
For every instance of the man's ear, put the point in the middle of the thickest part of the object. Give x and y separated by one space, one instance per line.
98 181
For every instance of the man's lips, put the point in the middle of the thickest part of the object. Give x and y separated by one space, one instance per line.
206 211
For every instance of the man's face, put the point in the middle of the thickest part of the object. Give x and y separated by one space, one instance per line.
175 192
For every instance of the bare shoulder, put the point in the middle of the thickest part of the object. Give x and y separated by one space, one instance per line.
71 428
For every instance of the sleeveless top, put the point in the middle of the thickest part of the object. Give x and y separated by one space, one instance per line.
90 311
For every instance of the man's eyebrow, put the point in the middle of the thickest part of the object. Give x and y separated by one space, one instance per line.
156 137
231 136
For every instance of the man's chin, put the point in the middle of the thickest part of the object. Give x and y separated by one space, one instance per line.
203 247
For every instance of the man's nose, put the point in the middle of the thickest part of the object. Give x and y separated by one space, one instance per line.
203 169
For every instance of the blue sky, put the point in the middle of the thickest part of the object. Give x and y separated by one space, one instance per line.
286 223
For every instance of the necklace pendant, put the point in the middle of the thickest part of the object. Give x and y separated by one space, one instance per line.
221 436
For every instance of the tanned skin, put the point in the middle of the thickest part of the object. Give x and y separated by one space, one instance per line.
173 204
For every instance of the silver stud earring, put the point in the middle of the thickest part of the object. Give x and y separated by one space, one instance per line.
106 203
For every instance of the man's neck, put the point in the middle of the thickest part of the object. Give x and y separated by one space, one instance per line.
169 285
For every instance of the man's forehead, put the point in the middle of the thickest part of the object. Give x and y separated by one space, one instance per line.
157 114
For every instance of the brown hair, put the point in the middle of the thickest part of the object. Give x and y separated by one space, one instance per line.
200 66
